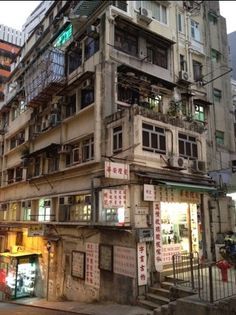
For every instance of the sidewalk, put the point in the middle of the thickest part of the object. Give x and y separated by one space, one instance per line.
84 309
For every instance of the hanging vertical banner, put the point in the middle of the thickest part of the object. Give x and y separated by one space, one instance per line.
157 236
142 263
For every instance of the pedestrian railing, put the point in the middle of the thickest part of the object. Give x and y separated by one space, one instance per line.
211 281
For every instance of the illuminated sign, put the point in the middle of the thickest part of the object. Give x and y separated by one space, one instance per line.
64 37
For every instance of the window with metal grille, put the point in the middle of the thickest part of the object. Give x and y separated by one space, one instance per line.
188 146
219 137
154 138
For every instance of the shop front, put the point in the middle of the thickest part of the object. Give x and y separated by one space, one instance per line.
17 274
178 218
180 228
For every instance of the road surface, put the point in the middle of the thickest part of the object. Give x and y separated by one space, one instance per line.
14 309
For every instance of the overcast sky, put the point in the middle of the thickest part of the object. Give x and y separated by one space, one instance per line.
228 10
14 13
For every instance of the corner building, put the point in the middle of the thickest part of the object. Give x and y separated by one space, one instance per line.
104 168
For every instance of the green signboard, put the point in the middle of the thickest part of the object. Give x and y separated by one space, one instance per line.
64 36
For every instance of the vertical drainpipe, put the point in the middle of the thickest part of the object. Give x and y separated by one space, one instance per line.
204 243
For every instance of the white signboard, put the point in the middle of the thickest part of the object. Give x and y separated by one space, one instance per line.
92 276
157 236
149 192
168 251
124 261
142 263
116 170
114 198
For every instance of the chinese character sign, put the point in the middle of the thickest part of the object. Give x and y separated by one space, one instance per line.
142 263
149 192
116 170
157 236
114 198
168 251
125 261
92 276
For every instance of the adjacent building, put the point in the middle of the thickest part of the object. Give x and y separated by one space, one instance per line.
10 42
112 127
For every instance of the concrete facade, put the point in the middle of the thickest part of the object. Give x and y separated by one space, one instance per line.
106 129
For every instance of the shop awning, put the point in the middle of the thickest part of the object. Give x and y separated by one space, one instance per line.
204 185
188 186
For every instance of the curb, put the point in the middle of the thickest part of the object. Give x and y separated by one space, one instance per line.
45 307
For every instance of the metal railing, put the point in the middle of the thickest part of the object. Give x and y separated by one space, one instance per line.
203 278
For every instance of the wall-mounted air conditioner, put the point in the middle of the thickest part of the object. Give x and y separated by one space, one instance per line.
198 166
177 162
145 15
184 76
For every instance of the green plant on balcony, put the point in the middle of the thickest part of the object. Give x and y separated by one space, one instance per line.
174 108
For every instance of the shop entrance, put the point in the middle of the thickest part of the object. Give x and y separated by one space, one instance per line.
180 229
19 274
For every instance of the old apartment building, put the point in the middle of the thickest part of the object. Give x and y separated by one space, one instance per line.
108 132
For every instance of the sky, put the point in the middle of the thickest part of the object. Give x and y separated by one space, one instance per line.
227 10
14 13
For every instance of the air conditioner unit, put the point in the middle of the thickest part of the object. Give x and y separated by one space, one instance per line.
87 83
176 162
145 15
184 76
65 149
199 166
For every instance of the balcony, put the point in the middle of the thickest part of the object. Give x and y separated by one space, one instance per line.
45 77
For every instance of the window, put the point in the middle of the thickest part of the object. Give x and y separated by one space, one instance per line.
19 174
197 70
44 210
154 138
88 150
180 22
122 5
37 166
127 95
157 54
110 215
26 208
53 164
215 55
74 59
71 105
87 97
126 42
219 137
117 139
217 95
10 176
212 18
91 47
81 209
159 11
195 31
183 63
199 113
187 146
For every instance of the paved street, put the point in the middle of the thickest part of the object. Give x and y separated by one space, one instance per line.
13 309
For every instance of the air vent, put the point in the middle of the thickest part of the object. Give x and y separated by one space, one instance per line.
145 15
